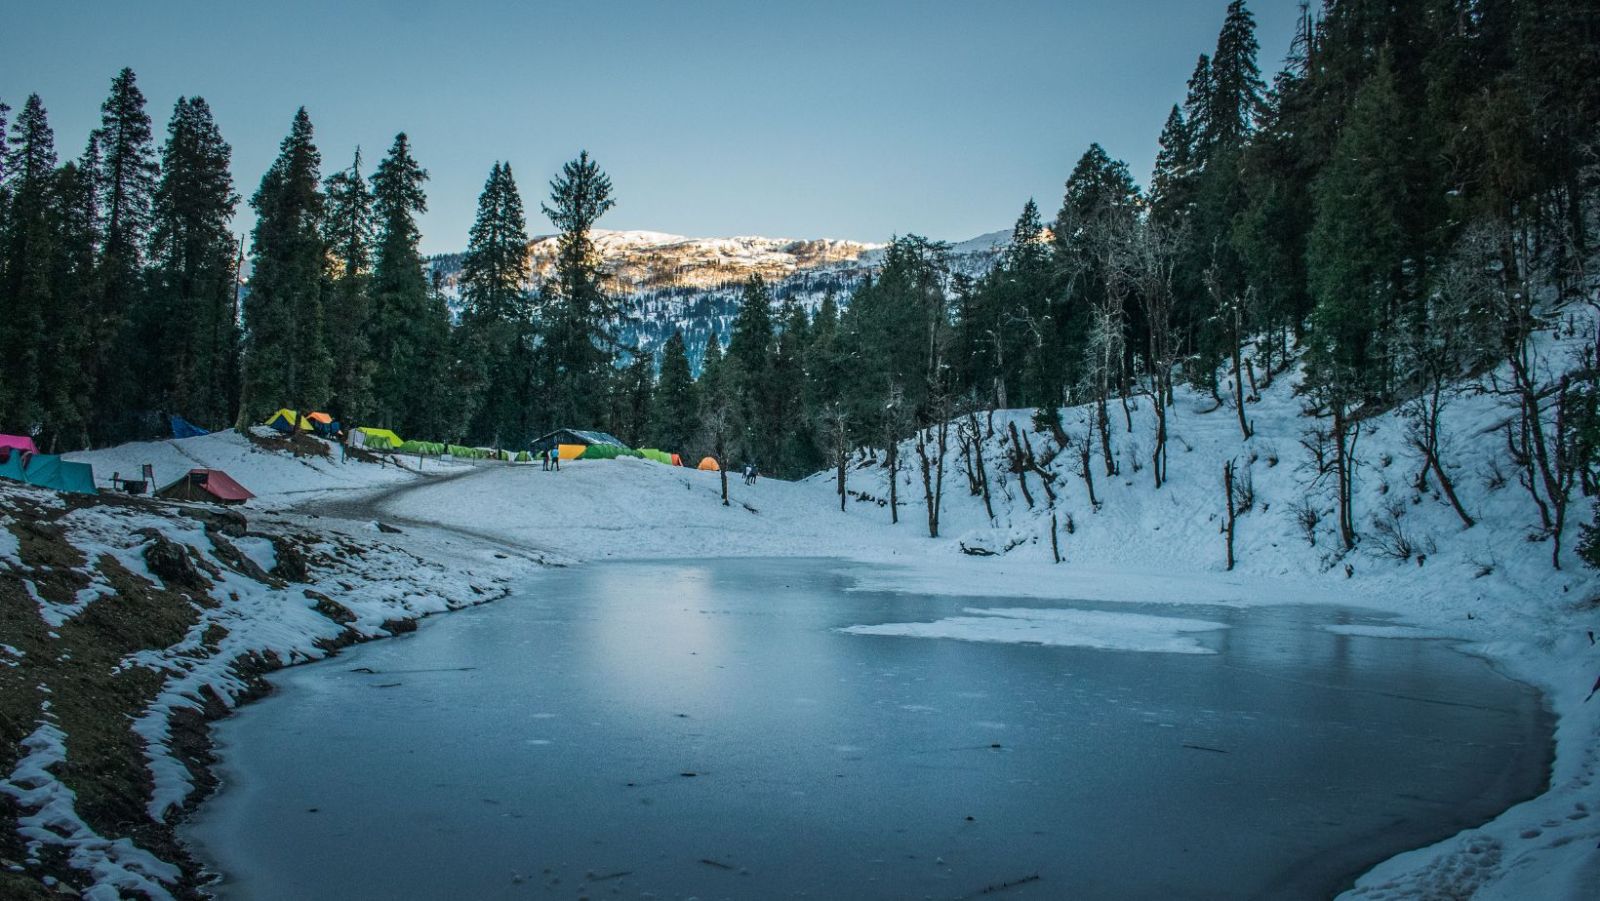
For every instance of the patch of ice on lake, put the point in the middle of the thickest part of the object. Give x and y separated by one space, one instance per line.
1060 628
1381 631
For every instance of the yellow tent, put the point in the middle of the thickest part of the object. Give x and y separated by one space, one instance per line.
571 451
283 420
376 438
709 465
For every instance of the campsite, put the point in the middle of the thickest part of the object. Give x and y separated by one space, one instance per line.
710 452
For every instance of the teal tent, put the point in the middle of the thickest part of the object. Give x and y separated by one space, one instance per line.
11 465
50 471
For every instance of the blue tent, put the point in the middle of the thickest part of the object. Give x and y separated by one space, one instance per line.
183 428
50 471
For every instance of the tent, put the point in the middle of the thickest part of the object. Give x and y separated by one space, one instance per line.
284 421
12 463
20 442
183 428
709 465
571 451
323 424
212 485
49 471
578 437
677 460
380 439
658 456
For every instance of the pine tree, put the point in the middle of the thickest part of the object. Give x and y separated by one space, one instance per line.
575 311
1172 182
748 369
29 248
676 411
1236 89
65 385
187 328
349 234
127 181
400 297
497 324
287 358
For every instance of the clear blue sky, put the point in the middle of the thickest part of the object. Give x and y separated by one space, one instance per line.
802 119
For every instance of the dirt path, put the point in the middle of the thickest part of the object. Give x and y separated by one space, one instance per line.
368 507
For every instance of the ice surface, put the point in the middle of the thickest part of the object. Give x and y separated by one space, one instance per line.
1063 628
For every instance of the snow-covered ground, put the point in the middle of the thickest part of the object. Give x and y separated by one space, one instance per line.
277 479
1490 588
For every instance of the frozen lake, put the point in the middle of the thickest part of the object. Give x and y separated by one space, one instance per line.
706 729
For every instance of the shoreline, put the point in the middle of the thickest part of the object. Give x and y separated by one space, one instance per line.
1544 739
1543 654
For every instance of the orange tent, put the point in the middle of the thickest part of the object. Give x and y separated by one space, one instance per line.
677 460
709 465
320 417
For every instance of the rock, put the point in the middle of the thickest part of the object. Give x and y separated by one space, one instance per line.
231 523
171 562
386 528
331 608
399 626
291 565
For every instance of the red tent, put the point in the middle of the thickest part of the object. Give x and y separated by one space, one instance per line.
21 442
206 485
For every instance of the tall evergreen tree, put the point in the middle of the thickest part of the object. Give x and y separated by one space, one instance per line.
127 181
576 312
401 335
187 328
29 247
675 415
349 233
748 369
1236 88
65 385
497 325
287 358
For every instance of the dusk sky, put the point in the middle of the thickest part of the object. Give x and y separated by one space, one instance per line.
847 120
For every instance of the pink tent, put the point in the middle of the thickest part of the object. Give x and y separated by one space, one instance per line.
21 442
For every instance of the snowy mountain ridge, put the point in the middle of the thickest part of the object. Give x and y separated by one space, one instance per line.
672 282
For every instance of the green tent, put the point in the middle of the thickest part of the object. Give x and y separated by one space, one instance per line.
659 456
380 439
50 471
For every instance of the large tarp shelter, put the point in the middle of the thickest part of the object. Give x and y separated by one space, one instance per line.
285 421
210 485
380 439
49 471
183 428
578 437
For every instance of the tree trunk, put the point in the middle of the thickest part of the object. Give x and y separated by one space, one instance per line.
893 462
1227 494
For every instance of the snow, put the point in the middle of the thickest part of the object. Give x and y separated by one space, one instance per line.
48 817
1062 628
277 479
1489 588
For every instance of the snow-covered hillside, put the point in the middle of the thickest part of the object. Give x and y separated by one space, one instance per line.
1491 587
463 529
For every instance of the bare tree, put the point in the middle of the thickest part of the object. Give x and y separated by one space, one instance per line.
1145 258
836 435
